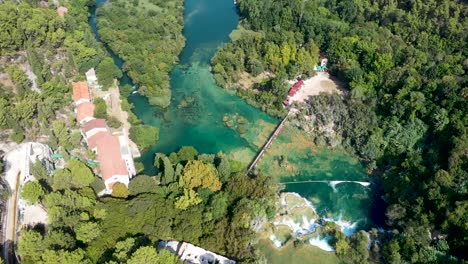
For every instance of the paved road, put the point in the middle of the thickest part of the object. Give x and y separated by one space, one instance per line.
14 161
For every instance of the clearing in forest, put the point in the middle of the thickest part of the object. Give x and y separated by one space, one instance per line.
320 83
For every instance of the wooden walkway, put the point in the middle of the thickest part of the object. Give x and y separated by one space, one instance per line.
268 143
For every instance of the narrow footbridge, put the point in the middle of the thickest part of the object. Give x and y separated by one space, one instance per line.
268 143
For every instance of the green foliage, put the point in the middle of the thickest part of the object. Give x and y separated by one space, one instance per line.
88 231
353 249
149 51
119 190
197 174
113 122
65 257
150 255
101 108
32 192
187 153
224 169
19 78
142 184
404 66
23 24
144 136
31 246
107 71
220 220
189 198
75 175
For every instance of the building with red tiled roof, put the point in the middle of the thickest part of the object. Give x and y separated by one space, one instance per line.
93 127
112 167
85 112
81 93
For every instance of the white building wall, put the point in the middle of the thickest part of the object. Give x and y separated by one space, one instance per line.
93 132
117 178
77 103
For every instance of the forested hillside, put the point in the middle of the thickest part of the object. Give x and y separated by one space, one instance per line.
202 199
404 64
40 53
147 35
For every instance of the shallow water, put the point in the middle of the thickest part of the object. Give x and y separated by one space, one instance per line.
209 118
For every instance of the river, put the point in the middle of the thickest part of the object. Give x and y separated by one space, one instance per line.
212 119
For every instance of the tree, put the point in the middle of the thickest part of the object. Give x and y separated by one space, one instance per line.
75 175
224 169
60 133
81 175
64 257
30 246
119 190
169 174
32 192
19 78
187 153
142 184
391 252
107 71
100 110
189 198
198 174
144 136
123 249
149 254
114 122
87 231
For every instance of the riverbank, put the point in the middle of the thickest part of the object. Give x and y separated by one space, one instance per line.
209 118
150 50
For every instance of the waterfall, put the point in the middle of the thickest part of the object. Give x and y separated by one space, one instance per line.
322 243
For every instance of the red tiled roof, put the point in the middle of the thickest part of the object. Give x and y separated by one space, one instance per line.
84 110
95 123
81 91
295 88
93 141
108 155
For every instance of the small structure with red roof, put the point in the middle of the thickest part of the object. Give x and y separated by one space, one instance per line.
81 93
296 87
93 127
84 112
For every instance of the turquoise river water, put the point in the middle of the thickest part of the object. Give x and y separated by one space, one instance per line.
199 110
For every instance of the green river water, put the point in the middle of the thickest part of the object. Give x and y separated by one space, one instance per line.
199 110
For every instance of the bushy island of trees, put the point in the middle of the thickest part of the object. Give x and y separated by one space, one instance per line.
147 35
404 63
198 198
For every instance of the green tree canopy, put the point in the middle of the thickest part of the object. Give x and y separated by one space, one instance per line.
107 71
32 192
119 190
198 174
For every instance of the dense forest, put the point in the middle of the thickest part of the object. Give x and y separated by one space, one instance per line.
404 65
202 199
149 40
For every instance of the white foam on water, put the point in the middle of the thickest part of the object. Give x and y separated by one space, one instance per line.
348 228
322 243
275 241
